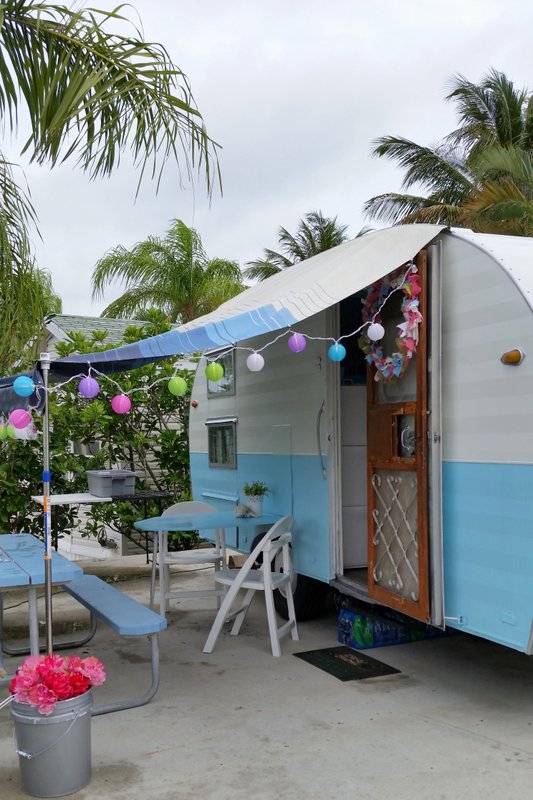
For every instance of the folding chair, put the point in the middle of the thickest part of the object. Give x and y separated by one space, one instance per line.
277 539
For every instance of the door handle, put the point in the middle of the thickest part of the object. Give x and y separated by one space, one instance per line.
319 439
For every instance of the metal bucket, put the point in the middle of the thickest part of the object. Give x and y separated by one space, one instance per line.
55 750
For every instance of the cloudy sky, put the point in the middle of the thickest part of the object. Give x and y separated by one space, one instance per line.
295 91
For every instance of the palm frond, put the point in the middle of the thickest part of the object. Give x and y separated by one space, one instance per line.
260 270
435 169
92 93
24 292
393 209
500 207
491 112
496 163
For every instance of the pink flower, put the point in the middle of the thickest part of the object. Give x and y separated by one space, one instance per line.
43 698
78 684
94 670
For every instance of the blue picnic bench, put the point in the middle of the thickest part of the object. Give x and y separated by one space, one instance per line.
126 617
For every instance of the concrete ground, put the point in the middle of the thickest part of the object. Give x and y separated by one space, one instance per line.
456 723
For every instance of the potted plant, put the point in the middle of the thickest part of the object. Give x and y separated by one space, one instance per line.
254 493
51 702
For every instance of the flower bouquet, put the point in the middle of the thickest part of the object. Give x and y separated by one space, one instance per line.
51 703
42 681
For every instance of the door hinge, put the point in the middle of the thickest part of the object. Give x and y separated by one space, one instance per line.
434 437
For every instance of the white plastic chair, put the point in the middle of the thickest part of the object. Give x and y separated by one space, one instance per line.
252 580
162 559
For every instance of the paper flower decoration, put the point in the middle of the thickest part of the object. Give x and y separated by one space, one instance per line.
20 418
255 362
177 386
121 404
393 366
88 387
23 386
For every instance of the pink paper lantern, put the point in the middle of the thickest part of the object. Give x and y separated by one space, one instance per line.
20 418
121 404
297 342
88 387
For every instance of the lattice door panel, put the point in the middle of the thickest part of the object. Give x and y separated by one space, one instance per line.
395 538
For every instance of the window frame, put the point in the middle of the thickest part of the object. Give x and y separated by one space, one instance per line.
226 423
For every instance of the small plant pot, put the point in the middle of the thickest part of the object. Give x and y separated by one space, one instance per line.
255 504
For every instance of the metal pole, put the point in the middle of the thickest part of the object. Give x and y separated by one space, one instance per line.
45 367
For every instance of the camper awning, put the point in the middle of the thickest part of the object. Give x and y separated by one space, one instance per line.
281 301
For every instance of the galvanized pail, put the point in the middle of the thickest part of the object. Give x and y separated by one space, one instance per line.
55 750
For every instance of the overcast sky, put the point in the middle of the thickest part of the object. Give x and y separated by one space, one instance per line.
294 91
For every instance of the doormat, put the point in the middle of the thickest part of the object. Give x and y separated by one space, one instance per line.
346 664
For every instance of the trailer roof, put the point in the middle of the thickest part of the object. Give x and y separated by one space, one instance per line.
514 254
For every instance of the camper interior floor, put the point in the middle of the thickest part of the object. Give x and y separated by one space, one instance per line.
354 582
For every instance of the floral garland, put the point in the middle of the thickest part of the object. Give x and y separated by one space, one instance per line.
389 368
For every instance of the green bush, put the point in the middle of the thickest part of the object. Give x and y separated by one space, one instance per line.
152 440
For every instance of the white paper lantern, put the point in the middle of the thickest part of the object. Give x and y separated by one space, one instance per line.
375 332
255 362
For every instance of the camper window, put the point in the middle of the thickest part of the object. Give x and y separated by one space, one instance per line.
225 387
222 442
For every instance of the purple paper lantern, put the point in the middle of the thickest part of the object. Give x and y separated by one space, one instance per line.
20 418
297 342
121 404
88 387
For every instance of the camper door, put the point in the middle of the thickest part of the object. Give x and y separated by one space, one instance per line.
398 487
390 486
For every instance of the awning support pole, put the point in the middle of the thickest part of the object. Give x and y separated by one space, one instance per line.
45 367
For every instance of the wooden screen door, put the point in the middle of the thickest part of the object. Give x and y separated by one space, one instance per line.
398 563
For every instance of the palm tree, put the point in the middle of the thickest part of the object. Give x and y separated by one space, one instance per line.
30 289
91 94
172 274
315 234
492 114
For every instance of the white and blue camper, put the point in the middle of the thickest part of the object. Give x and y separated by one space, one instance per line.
417 492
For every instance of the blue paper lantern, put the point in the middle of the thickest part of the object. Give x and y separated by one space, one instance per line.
23 386
336 352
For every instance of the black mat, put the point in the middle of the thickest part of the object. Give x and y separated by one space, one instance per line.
346 664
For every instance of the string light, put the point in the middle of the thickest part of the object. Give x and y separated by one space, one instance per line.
89 387
19 418
23 386
255 362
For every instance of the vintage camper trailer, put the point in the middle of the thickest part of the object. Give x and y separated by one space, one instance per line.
414 491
